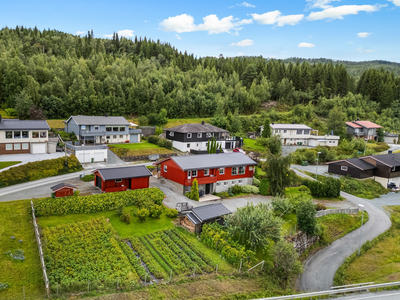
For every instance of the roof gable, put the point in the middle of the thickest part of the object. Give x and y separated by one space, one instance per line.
98 120
123 172
62 185
367 124
211 211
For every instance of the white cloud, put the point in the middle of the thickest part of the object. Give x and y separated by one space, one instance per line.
211 23
145 21
178 36
121 33
240 53
395 2
79 32
247 4
340 11
324 4
243 43
362 50
305 45
275 17
363 34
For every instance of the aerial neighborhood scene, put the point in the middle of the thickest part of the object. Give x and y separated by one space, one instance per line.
199 150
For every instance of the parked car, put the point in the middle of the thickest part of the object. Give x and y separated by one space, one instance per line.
392 186
239 150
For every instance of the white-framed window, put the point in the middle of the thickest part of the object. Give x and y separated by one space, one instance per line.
240 181
234 170
43 134
122 128
17 134
221 171
108 128
114 136
9 146
233 181
115 128
208 134
189 135
251 168
9 135
165 168
25 134
343 168
285 131
118 180
83 127
189 174
218 183
25 146
121 136
188 145
206 172
226 182
96 127
242 170
199 135
194 173
17 146
108 137
171 133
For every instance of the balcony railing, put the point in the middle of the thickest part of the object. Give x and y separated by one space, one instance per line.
92 133
135 131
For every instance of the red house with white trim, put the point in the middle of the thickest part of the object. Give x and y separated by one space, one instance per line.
63 190
122 178
214 172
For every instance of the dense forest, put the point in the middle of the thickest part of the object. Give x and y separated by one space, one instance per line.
51 74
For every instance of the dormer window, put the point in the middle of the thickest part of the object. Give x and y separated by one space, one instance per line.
208 134
189 135
199 135
171 133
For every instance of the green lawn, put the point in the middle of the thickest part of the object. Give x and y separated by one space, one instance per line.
250 145
124 230
5 164
16 221
295 190
143 145
134 149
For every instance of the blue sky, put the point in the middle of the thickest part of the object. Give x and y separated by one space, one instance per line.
355 30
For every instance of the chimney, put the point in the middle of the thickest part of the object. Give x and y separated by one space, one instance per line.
202 122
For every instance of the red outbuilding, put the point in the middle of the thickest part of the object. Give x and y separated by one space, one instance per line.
122 178
63 190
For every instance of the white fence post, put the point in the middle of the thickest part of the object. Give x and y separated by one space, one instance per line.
348 211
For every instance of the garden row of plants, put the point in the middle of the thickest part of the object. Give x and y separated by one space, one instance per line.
38 170
141 198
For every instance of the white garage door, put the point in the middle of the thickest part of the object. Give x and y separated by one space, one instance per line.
83 157
99 157
38 148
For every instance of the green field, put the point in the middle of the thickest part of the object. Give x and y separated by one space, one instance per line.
250 145
291 191
135 149
16 221
5 164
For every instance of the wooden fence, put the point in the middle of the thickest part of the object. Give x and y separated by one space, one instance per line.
46 280
349 211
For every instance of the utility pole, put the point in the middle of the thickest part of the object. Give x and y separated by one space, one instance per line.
316 173
361 207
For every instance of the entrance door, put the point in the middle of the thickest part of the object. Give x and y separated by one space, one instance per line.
189 174
208 188
98 182
284 141
129 183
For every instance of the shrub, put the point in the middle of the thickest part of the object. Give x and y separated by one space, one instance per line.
230 192
194 192
223 195
171 213
153 139
304 189
264 187
88 178
126 216
320 206
281 206
256 182
155 211
324 189
250 189
236 189
142 214
306 218
76 193
143 121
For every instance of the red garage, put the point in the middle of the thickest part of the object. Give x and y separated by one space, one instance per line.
63 190
122 178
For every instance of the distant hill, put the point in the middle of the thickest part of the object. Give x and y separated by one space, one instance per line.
354 68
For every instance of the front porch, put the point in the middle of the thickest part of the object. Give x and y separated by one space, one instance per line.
209 197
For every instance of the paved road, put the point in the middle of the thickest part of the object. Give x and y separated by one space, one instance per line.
320 269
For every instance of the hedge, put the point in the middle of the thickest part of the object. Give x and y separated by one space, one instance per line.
38 170
321 189
97 203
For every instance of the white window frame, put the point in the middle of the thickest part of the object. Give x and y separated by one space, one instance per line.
208 134
344 168
188 145
118 180
96 127
226 183
223 171
9 147
189 174
235 171
189 135
244 170
194 173
206 172
171 133
22 134
240 181
165 168
121 136
233 181
199 135
114 136
9 138
218 183
25 146
17 146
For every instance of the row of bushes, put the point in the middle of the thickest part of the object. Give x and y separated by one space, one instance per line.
161 142
38 170
141 198
324 189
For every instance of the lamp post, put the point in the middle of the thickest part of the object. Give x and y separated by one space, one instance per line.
316 173
362 207
365 147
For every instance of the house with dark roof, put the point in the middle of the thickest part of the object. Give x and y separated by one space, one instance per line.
383 168
63 190
192 136
194 218
24 136
363 129
102 129
122 178
214 172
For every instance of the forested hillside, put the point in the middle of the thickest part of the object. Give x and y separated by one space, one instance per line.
51 74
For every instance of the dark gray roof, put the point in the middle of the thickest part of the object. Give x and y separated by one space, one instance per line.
124 172
211 211
194 128
212 161
290 126
362 164
392 160
60 185
15 124
192 218
99 120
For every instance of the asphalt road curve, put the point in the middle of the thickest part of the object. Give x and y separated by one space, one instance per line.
320 268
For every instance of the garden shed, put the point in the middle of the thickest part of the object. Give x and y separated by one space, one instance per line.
122 178
63 190
194 218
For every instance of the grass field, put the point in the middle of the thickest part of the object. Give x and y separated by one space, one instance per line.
250 145
124 230
5 115
56 123
16 221
135 149
290 191
5 164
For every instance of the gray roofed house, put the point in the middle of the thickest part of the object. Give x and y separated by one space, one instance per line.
363 165
195 128
195 218
124 172
98 120
61 185
15 124
290 126
211 161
